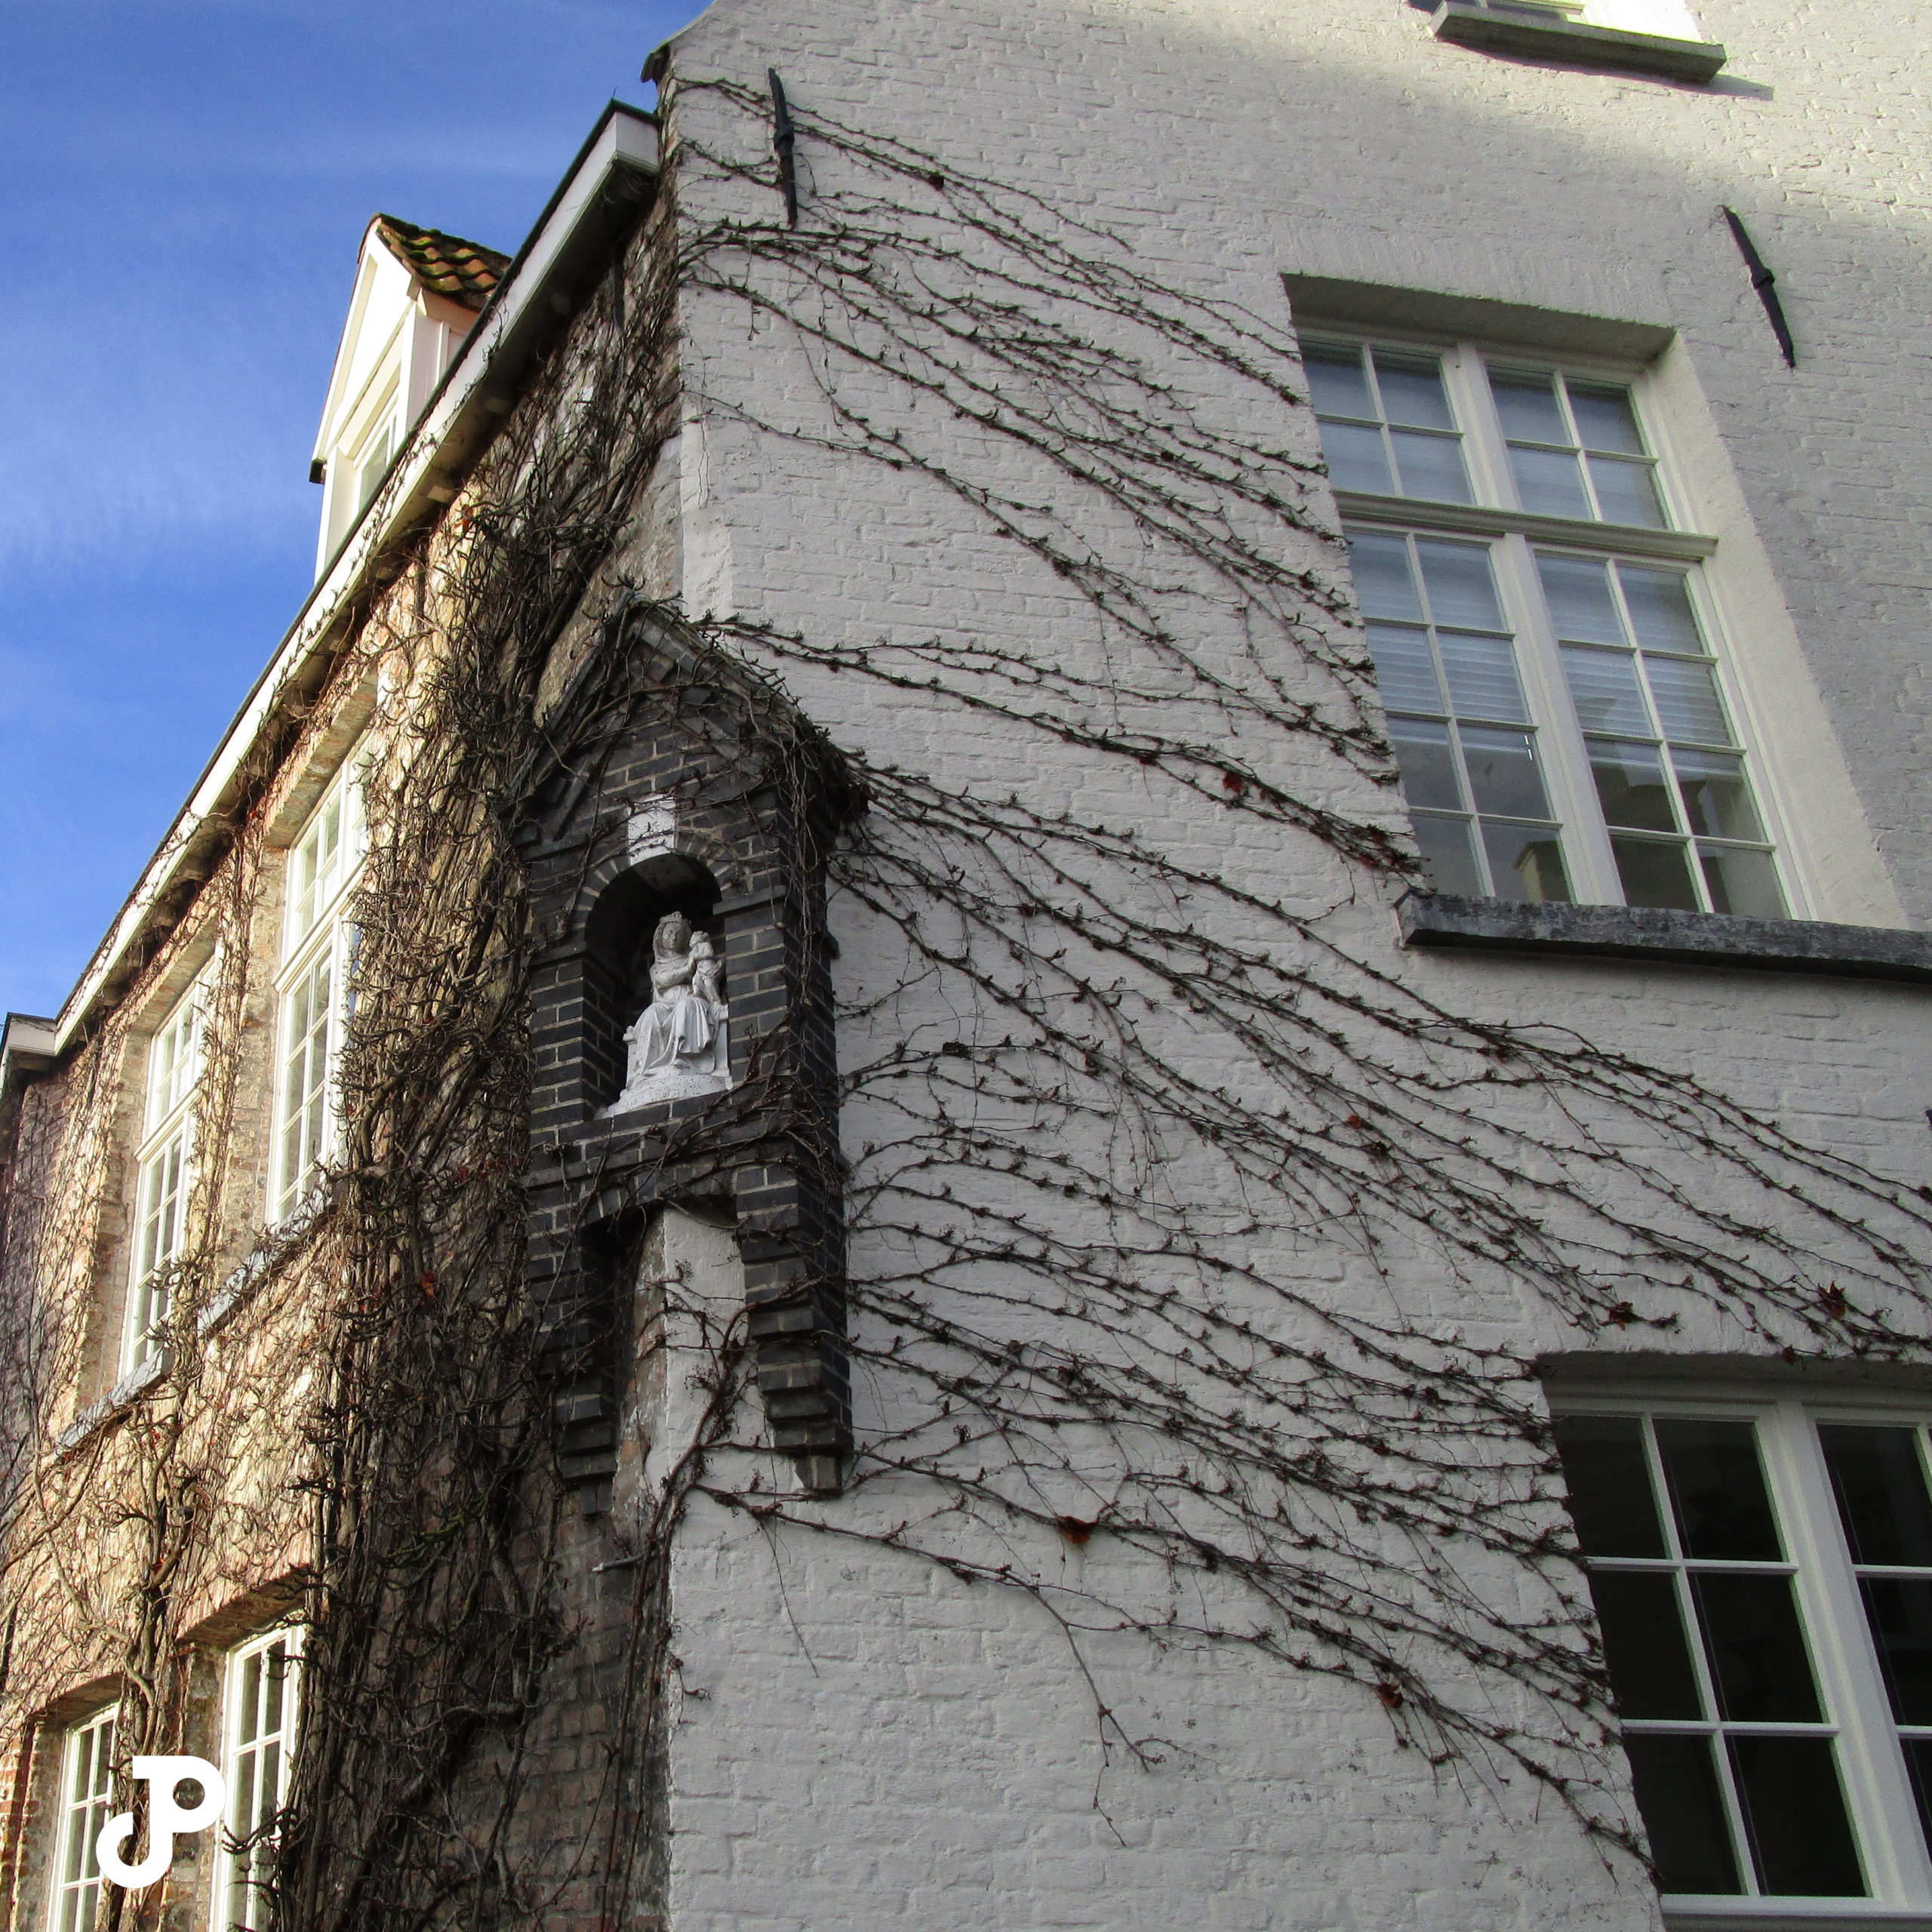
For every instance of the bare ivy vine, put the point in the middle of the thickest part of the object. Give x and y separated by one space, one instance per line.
1136 1241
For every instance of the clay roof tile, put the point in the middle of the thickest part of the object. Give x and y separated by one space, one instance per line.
464 272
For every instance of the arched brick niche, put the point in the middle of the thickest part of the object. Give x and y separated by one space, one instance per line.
684 780
595 979
616 958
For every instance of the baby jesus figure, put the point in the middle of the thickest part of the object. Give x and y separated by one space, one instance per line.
679 1044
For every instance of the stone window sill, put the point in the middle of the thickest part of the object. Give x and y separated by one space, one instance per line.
1666 938
1805 1915
1467 23
135 1383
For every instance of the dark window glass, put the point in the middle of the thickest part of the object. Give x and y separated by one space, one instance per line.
1632 785
1643 1641
1447 857
1755 1647
1795 1817
1427 762
1676 1794
1653 874
1899 1610
1525 863
1717 1489
1919 1762
1610 1485
1881 1492
1503 772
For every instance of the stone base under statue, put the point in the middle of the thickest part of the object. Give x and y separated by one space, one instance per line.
671 1084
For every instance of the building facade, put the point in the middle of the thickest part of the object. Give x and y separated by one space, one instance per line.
1052 1050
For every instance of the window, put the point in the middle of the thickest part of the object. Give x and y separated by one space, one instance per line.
373 454
259 1713
1386 424
1763 1580
163 1170
1546 639
1471 767
316 986
86 1781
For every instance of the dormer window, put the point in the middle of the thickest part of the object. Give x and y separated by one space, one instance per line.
378 446
418 292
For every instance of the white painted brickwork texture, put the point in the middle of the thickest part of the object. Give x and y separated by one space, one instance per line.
862 1740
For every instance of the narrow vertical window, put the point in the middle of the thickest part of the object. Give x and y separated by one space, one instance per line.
86 1781
164 1172
260 1717
315 985
1472 768
1665 759
1878 1481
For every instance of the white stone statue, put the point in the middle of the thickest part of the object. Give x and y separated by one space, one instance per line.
679 1044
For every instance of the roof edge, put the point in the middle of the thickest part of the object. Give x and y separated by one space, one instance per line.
452 432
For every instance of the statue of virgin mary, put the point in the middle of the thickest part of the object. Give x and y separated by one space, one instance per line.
679 1044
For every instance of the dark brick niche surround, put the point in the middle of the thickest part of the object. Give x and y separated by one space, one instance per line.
709 795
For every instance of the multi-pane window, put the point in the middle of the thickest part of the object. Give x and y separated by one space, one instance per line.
1664 756
1575 448
1879 1482
260 1715
316 986
1461 725
1560 718
1386 426
1763 1582
164 1172
86 1787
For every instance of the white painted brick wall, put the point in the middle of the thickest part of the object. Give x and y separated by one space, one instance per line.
879 1744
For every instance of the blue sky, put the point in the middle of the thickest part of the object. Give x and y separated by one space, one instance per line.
187 181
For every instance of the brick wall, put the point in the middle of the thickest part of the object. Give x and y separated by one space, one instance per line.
863 1740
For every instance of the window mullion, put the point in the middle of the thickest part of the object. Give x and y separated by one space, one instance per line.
1877 1786
1590 497
1566 764
1482 431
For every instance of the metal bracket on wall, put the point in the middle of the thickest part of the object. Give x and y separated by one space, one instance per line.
784 140
1762 280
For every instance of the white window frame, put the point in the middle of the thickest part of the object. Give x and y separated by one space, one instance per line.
1515 536
241 1763
1877 1784
318 945
377 412
163 1168
75 1899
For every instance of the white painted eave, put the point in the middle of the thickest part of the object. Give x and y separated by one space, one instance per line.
610 179
345 348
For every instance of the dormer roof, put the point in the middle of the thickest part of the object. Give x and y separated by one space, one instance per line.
464 271
418 292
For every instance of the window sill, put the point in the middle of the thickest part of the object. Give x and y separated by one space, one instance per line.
1666 938
1792 1915
1412 513
135 1383
1467 24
